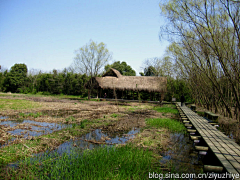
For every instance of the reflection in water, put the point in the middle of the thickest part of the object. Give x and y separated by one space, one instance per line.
28 128
107 139
181 155
33 128
87 141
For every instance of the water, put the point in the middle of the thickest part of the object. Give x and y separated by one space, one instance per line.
3 117
33 128
181 155
95 139
28 128
89 141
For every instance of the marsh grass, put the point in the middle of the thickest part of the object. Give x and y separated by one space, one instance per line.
171 124
35 115
124 162
167 108
114 115
70 119
200 113
16 104
24 148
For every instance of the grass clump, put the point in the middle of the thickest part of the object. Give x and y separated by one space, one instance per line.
200 113
167 108
70 119
171 124
114 115
83 123
125 162
35 115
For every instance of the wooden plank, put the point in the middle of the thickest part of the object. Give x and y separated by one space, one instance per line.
224 149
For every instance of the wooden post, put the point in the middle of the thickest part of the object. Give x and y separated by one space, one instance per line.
216 169
162 96
114 93
89 94
97 93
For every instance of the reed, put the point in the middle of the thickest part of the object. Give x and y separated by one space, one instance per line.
125 162
171 124
168 108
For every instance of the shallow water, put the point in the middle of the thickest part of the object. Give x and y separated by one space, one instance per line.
35 128
28 128
92 140
3 117
83 143
181 155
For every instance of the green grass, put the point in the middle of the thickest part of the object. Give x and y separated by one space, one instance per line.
169 108
70 119
83 123
35 115
200 113
171 124
17 104
15 152
125 162
114 115
43 94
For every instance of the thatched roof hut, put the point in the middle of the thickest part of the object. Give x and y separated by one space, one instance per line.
114 80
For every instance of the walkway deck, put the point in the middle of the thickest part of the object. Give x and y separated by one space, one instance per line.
225 149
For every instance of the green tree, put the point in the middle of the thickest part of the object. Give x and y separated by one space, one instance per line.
150 71
16 78
122 67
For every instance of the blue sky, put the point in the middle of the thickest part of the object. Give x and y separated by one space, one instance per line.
44 34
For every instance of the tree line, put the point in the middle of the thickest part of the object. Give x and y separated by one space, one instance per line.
205 46
19 80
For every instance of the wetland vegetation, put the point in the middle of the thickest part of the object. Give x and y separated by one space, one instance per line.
114 154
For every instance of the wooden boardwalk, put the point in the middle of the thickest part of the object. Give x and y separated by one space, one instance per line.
225 149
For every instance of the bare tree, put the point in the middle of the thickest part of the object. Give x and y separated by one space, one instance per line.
91 59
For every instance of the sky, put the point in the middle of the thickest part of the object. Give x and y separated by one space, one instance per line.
44 34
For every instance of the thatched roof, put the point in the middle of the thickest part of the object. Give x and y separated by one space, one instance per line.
114 80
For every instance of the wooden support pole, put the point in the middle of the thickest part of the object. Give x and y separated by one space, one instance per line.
89 94
195 137
216 169
192 130
201 148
